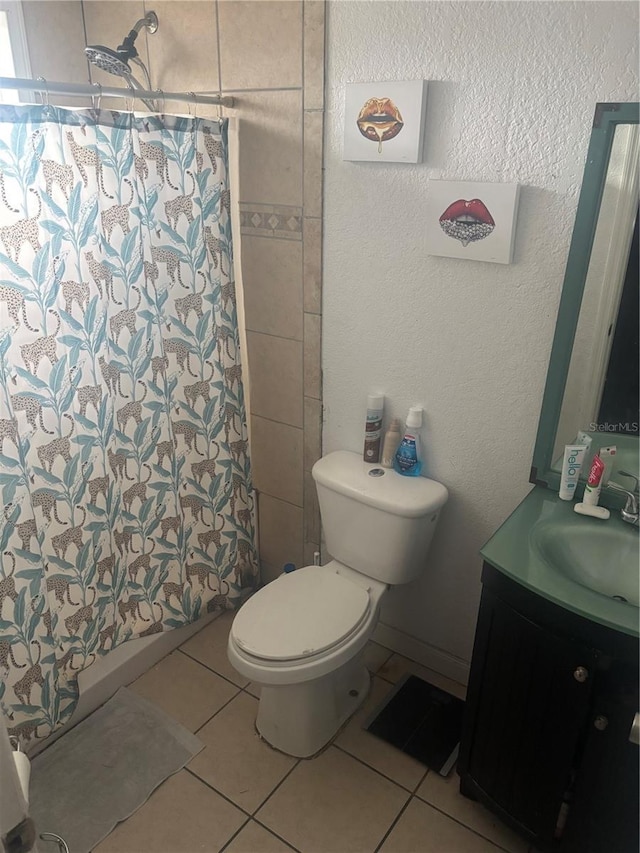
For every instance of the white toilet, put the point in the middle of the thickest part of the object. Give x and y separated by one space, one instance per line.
302 637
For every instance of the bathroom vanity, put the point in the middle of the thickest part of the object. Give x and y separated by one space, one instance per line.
553 692
551 730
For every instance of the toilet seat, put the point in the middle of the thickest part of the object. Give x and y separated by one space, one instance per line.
301 615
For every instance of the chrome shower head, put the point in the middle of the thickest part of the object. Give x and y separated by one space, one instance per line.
117 61
109 60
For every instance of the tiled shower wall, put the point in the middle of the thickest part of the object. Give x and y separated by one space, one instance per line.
269 54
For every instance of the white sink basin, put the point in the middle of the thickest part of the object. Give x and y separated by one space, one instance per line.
602 558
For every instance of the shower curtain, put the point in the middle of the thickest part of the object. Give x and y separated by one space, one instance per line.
126 493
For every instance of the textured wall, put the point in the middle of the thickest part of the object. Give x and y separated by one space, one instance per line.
511 98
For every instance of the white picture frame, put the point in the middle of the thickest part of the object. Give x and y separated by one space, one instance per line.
472 220
384 122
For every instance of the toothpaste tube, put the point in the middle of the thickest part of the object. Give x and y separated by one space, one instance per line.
607 454
583 438
571 466
594 483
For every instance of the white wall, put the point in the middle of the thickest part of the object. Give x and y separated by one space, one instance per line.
511 98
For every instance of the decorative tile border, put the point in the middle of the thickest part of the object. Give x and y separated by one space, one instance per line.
267 220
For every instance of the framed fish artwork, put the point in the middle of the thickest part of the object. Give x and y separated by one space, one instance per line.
470 220
384 122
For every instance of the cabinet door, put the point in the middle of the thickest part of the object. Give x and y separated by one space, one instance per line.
603 817
527 704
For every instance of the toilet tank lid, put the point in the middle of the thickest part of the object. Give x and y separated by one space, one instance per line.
346 473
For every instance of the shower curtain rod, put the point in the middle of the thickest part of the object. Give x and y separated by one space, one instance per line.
97 90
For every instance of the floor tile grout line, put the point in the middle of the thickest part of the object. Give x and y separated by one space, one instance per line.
261 804
413 794
272 792
252 819
214 671
228 680
419 785
280 837
375 770
215 714
235 835
388 658
393 823
218 792
460 823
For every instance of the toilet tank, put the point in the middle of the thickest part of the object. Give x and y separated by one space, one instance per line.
375 520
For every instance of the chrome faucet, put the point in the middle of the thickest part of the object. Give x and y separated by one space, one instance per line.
629 513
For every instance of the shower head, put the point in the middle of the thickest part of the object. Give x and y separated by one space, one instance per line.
117 61
109 60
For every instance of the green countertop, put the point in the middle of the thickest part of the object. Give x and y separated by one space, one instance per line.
510 551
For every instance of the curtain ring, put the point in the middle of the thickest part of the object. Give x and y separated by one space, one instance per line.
44 91
193 114
129 104
162 98
96 100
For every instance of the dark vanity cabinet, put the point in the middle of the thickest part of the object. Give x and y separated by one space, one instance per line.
550 707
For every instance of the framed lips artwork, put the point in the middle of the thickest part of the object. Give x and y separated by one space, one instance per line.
470 220
384 122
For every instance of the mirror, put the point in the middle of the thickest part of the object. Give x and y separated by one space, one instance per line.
592 380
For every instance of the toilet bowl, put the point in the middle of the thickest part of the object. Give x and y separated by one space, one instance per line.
302 637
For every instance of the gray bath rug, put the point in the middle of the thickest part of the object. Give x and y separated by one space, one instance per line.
105 768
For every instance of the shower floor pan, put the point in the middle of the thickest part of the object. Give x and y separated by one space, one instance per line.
120 667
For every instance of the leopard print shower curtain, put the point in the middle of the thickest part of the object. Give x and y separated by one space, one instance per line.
126 491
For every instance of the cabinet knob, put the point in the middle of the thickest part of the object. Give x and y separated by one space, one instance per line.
601 722
581 674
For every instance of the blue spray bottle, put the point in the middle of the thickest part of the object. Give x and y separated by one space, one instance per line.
408 456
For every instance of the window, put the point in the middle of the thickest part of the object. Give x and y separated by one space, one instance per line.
14 56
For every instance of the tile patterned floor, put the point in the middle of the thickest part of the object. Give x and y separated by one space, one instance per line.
240 796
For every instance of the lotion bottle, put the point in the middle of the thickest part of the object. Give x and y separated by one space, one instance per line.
391 442
408 457
373 428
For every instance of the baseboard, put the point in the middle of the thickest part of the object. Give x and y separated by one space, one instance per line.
430 656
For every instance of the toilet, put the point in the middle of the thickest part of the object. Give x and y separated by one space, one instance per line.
301 638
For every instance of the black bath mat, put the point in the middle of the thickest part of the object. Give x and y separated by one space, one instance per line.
421 720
